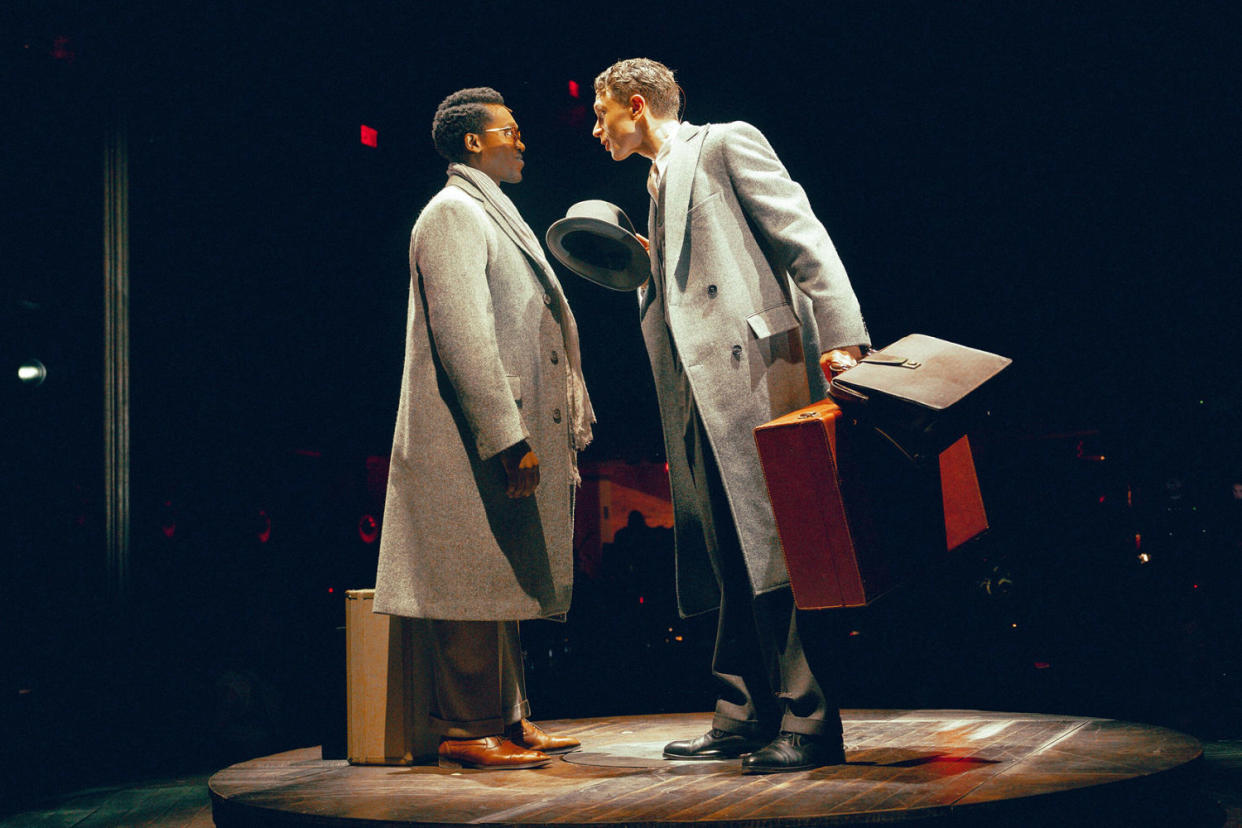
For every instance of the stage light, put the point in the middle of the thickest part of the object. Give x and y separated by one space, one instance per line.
264 531
168 520
62 48
573 89
1144 558
32 372
370 136
368 529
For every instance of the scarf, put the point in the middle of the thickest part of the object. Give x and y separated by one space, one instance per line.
580 411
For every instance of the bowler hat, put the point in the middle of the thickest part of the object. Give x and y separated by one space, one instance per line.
596 240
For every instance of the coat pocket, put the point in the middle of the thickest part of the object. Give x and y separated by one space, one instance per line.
703 207
515 387
772 321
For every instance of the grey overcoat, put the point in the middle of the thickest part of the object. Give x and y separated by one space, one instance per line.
484 368
752 290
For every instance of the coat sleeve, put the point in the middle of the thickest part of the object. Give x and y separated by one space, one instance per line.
778 209
449 252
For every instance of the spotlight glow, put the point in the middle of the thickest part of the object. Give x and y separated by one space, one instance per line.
32 372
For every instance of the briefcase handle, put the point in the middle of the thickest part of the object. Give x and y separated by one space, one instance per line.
878 358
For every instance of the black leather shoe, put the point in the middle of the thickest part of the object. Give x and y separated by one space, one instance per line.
795 752
714 744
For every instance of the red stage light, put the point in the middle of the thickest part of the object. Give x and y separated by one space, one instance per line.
573 89
370 136
368 529
62 48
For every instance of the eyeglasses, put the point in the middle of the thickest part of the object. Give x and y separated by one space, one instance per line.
510 132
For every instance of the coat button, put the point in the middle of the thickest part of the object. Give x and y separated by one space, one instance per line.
547 300
556 415
737 352
555 357
711 290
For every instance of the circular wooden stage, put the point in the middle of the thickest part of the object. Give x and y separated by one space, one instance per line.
945 767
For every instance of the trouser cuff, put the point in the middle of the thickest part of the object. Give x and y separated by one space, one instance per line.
749 729
519 711
476 729
829 728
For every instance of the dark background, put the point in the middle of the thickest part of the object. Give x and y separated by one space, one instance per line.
1055 183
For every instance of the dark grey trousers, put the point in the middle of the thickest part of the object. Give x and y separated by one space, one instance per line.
766 680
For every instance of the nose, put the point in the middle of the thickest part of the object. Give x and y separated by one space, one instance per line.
598 130
521 145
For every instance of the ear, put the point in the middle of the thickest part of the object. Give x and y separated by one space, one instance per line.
638 105
472 142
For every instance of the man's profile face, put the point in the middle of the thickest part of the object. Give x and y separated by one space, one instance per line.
499 151
615 127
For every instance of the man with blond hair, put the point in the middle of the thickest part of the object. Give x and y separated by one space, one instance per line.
748 300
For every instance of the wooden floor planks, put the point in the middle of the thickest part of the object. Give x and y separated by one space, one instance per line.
901 764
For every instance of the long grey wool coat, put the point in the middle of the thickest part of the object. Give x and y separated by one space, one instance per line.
748 290
484 368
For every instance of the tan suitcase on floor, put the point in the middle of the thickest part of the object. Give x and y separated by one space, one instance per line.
387 686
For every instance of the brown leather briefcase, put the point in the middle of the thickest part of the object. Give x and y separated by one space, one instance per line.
854 515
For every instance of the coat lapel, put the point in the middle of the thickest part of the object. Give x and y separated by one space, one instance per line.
678 181
653 284
509 230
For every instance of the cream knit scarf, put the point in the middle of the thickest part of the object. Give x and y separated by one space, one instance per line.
582 415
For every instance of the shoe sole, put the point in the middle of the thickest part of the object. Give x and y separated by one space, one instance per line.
727 758
455 764
794 769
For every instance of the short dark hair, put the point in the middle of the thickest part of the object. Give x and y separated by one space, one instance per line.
641 76
462 112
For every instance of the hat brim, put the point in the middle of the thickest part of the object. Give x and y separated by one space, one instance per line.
600 252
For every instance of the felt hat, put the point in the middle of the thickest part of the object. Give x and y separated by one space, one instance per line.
596 240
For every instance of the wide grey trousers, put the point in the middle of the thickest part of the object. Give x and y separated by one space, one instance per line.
479 684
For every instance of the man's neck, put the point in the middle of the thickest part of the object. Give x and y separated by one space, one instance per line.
658 133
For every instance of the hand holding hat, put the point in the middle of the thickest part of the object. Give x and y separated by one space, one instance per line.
596 240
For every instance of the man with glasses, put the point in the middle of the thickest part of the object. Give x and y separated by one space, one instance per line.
478 521
747 301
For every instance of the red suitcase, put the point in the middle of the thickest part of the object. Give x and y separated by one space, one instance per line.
852 515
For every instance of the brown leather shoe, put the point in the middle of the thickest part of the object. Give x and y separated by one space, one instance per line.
528 735
489 753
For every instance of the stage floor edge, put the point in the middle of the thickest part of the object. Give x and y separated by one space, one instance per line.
944 767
